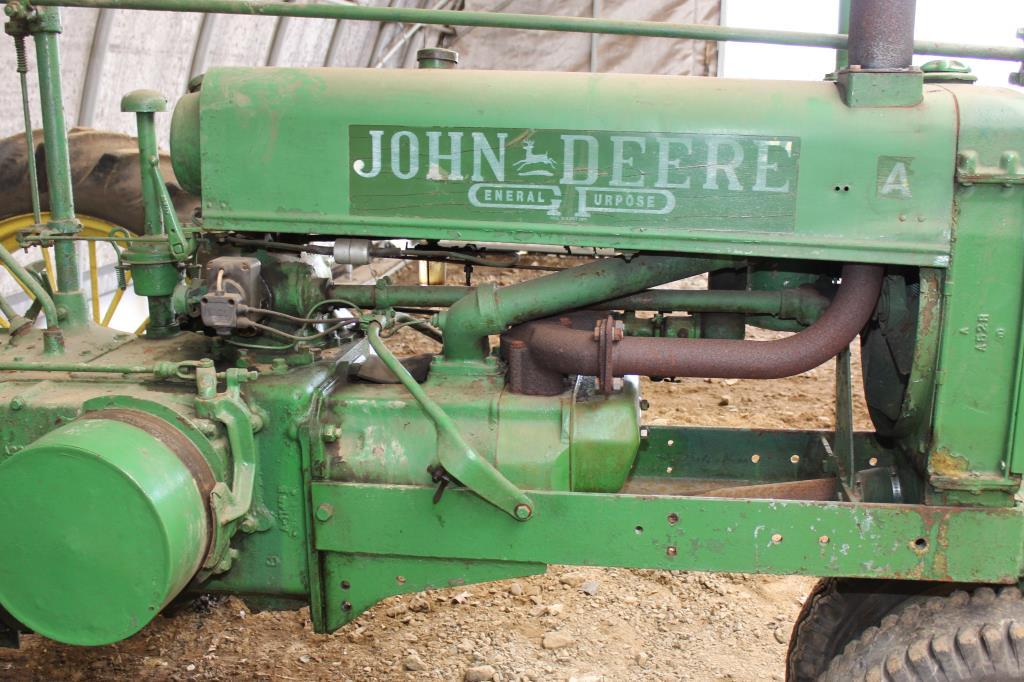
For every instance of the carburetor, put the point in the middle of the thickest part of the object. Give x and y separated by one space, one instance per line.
233 286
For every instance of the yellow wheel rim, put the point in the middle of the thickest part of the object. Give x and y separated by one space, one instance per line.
91 227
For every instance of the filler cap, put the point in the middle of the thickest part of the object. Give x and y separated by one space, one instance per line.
947 71
437 58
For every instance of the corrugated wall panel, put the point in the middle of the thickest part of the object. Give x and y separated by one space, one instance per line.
157 50
488 48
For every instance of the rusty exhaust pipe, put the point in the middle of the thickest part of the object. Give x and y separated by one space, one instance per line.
882 34
555 349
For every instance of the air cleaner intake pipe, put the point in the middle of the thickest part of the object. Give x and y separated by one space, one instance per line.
489 310
562 350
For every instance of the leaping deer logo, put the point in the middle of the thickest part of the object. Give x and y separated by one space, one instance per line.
531 159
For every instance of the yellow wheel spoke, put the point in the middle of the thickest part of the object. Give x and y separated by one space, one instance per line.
4 323
118 295
50 274
142 327
91 227
23 287
94 282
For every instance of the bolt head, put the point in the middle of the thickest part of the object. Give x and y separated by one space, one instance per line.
324 512
523 512
17 403
206 427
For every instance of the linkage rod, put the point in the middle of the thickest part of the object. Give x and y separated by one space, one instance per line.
54 344
652 29
30 147
74 367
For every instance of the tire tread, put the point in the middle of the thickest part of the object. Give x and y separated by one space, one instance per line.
955 638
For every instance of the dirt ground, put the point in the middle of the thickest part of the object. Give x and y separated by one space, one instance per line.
582 624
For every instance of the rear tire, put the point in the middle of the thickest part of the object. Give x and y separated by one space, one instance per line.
105 178
977 637
837 611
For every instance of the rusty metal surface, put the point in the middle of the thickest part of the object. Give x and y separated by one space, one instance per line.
820 489
813 489
570 351
173 438
882 33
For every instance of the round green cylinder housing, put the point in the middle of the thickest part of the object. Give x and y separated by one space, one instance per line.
185 138
152 273
102 523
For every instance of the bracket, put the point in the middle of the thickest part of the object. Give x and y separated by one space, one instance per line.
457 456
881 87
229 504
181 245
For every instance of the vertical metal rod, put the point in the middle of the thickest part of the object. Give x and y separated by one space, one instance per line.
51 276
146 123
277 41
595 12
405 37
55 139
842 56
334 44
94 282
377 37
843 444
94 67
30 147
207 29
720 48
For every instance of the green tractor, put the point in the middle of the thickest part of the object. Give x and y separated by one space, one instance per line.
257 435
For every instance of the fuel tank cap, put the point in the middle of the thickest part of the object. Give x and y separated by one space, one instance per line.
947 71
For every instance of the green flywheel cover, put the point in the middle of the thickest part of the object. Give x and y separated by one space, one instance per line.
101 525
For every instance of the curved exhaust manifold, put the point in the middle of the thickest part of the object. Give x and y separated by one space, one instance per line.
540 353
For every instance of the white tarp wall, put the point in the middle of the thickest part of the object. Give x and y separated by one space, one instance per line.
116 51
489 48
107 53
